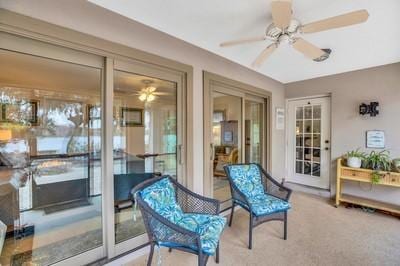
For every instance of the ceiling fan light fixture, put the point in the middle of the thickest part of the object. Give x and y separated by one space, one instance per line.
325 56
143 97
151 97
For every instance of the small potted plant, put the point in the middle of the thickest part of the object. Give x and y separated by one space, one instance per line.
396 165
355 158
379 161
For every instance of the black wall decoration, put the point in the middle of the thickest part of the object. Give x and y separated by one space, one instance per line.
371 109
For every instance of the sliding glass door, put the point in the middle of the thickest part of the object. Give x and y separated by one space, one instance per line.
237 134
147 140
50 154
70 122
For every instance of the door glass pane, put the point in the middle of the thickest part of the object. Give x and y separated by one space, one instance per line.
50 170
227 137
299 167
317 111
307 168
308 112
307 126
253 131
307 140
145 141
299 113
299 154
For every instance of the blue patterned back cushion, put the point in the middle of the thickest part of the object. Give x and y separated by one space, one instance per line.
160 196
247 179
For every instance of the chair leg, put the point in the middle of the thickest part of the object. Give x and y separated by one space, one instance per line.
232 211
285 226
251 231
217 254
151 254
200 258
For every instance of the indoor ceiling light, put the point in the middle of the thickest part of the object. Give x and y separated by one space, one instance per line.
147 94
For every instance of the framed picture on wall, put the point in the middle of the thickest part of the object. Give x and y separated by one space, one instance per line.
131 117
21 112
375 139
228 136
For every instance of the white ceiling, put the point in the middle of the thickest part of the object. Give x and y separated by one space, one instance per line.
207 23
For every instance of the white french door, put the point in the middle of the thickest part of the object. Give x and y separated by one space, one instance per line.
308 153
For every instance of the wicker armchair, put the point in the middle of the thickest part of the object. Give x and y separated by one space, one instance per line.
257 192
165 229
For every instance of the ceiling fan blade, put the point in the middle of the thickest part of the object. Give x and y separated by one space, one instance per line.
281 13
308 49
344 20
243 41
162 93
264 55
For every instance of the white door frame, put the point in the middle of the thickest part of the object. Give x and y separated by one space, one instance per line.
325 147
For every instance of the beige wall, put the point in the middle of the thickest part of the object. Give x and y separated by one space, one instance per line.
88 18
348 91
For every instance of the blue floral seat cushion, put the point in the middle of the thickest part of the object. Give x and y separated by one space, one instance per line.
267 204
209 227
247 179
160 196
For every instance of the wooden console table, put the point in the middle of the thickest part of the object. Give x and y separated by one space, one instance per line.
364 175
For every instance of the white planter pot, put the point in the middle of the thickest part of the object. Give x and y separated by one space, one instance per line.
354 162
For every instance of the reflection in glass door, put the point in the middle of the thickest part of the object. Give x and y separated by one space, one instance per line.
144 142
227 132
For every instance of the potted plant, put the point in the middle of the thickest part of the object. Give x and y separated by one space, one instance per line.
379 161
355 158
396 165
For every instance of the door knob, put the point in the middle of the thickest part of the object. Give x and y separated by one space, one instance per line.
326 148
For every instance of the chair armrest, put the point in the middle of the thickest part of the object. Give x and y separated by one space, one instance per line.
195 203
273 187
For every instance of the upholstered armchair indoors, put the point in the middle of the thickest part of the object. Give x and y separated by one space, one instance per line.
177 218
257 192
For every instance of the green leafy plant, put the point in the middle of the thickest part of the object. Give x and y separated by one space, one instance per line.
357 154
378 161
375 177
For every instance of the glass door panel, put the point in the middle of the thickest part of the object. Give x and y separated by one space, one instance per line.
227 134
253 132
50 162
144 142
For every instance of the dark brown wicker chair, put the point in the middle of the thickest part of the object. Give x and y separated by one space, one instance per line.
161 230
270 187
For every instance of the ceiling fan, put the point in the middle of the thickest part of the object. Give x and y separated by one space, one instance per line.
149 93
285 29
